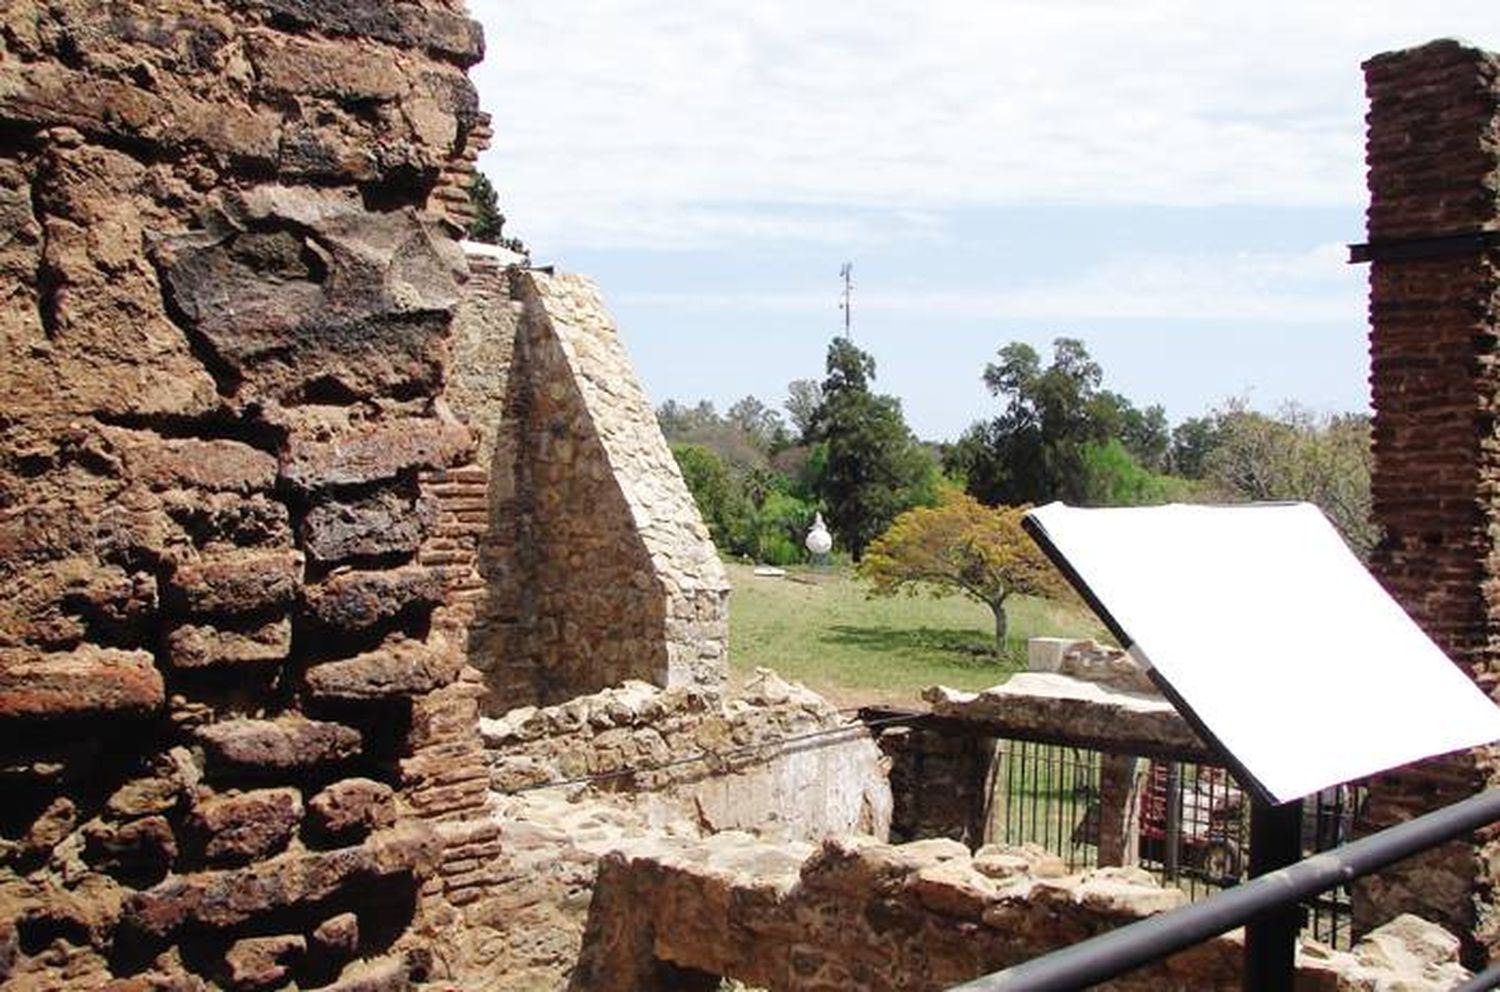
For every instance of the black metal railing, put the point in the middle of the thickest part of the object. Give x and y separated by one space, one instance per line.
1193 823
1120 951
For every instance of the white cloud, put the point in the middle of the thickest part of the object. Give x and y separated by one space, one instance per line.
1314 286
670 124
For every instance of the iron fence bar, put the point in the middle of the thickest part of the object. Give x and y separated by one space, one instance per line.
1119 951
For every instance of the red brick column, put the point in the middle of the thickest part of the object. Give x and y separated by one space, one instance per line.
1433 152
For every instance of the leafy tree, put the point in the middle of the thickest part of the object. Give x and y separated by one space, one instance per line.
961 544
875 468
726 512
804 397
1192 440
488 225
1056 420
1297 455
759 422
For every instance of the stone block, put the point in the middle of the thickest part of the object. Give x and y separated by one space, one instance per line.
287 743
203 646
262 962
350 809
371 526
144 847
303 294
161 463
450 35
337 937
231 897
145 796
400 667
234 582
247 826
375 451
358 600
87 681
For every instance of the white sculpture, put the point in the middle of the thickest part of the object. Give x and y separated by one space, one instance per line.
819 541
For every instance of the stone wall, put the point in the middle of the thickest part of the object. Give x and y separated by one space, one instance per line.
238 736
775 759
674 913
677 763
1434 172
597 566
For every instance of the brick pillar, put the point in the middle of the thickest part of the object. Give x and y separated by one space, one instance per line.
1433 152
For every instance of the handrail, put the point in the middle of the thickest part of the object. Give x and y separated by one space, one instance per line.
1119 951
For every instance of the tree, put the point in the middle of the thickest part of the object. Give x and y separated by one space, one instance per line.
875 468
1056 423
961 544
488 225
759 422
1297 455
803 398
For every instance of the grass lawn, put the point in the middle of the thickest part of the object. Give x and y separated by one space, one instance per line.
821 629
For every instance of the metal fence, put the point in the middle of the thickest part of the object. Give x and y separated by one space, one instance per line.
1193 822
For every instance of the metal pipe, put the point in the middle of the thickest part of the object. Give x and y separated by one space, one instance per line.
1108 955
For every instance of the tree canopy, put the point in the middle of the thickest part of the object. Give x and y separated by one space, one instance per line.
1054 433
961 544
875 467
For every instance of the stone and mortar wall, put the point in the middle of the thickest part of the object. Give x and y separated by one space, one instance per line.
774 759
237 737
597 566
673 913
678 762
1433 153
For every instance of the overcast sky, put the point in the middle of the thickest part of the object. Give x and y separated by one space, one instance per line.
1172 182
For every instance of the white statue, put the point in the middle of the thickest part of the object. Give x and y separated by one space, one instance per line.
819 541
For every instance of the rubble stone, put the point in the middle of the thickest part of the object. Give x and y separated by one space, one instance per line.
261 962
247 826
86 681
287 743
351 808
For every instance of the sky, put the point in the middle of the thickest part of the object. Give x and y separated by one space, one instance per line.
1174 182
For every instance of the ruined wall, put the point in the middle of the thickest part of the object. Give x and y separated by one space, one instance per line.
672 914
1433 153
597 566
237 733
774 759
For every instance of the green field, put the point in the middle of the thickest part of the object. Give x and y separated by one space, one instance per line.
820 628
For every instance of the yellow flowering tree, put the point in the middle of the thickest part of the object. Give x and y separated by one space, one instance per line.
961 544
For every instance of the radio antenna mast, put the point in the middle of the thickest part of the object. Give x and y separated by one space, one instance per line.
847 303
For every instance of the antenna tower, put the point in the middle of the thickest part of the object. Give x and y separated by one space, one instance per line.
847 303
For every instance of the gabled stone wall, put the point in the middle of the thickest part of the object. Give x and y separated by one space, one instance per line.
597 566
1434 175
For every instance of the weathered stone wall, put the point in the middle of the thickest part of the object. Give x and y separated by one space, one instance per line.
597 566
238 737
673 913
1434 172
775 759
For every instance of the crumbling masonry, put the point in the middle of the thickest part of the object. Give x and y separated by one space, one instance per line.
1434 242
291 490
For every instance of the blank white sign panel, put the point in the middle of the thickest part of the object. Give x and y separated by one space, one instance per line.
1275 637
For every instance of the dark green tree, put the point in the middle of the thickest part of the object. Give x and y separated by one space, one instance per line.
875 468
1052 440
488 225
